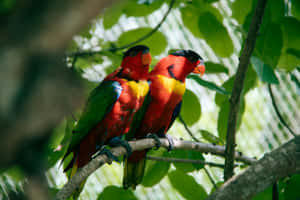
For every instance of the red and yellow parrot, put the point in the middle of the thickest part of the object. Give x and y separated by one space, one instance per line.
110 108
161 107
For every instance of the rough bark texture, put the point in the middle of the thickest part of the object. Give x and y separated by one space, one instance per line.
82 174
280 163
238 87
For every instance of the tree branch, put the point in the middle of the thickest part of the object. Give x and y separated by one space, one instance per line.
238 87
113 49
187 129
282 162
83 173
181 160
282 121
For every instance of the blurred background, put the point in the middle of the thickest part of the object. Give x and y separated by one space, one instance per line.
216 30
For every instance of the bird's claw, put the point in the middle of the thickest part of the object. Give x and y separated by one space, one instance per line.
156 138
108 153
171 142
123 143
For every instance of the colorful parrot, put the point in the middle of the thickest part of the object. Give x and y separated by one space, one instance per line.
110 108
161 106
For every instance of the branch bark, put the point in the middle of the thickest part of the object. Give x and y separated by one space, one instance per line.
238 87
88 169
280 163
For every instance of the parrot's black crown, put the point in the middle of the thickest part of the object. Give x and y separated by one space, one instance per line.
133 51
192 56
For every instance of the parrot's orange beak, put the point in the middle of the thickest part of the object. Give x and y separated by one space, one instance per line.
146 59
200 69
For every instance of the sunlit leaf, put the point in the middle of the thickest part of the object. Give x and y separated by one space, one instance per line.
266 194
191 108
182 154
211 137
215 34
137 9
112 14
212 68
156 42
187 186
114 192
240 9
209 85
288 61
269 44
264 71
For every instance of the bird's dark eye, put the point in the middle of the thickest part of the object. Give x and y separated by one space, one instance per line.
133 53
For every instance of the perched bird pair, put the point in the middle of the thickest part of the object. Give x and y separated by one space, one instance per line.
132 102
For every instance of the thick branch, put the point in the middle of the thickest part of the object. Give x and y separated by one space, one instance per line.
280 163
82 174
238 87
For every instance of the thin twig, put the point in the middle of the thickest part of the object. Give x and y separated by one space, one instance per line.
238 87
210 178
284 123
113 49
93 165
187 129
181 160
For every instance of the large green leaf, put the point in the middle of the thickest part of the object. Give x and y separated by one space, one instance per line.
186 185
291 191
211 137
136 9
288 61
156 42
191 108
269 44
114 192
155 170
186 154
264 71
294 52
215 34
296 8
240 9
112 14
209 85
212 68
274 11
291 32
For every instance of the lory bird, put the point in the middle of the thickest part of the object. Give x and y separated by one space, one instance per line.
161 107
110 107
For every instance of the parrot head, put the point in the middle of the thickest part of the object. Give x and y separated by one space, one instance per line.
179 64
135 64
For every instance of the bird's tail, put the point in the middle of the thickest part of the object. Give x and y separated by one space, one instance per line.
134 168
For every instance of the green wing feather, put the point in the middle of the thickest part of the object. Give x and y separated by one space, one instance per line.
98 105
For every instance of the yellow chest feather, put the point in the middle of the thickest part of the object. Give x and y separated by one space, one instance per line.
139 89
172 85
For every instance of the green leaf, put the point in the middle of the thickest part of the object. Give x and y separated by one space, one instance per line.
291 191
155 170
6 6
296 8
210 1
114 192
191 108
296 82
220 98
274 11
136 9
156 42
88 61
193 155
288 61
215 34
212 68
185 154
291 32
112 14
266 194
264 71
240 9
209 85
294 52
187 186
269 45
211 137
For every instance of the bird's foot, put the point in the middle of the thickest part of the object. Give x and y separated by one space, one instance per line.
108 153
171 142
156 138
117 141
